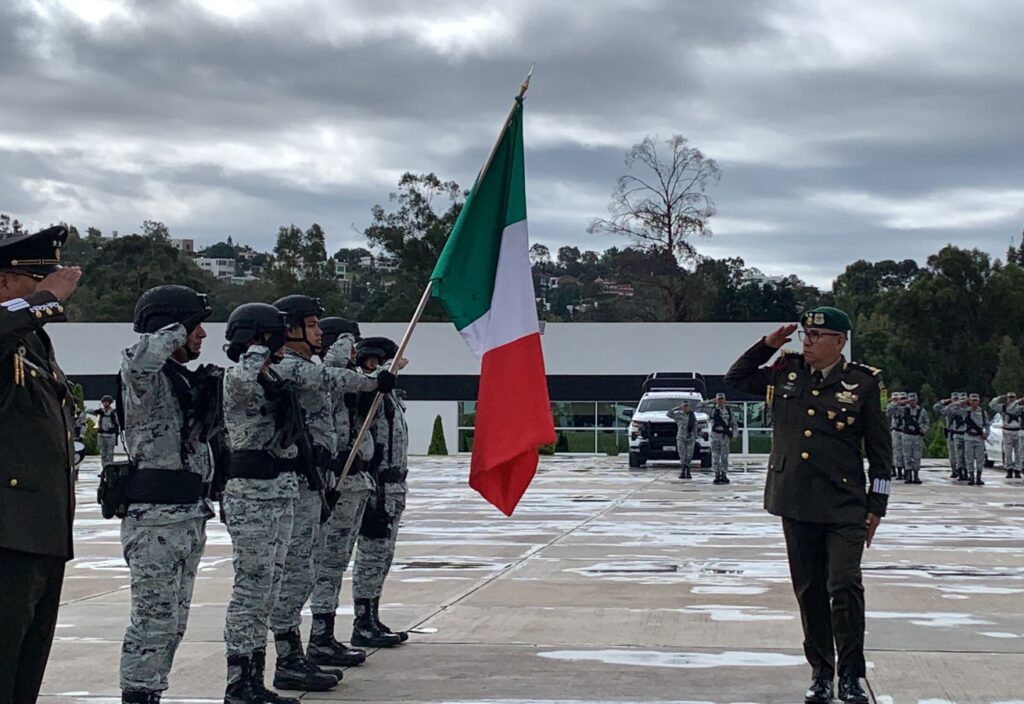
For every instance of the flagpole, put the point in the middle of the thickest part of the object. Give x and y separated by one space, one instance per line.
424 299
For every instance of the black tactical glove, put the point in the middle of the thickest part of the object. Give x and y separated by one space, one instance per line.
385 381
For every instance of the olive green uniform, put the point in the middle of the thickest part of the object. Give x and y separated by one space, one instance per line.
822 431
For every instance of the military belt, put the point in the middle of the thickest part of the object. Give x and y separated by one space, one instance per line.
393 475
163 486
254 464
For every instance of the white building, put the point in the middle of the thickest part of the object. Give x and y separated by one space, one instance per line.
594 371
220 268
184 246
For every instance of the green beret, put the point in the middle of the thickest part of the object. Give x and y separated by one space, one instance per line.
827 317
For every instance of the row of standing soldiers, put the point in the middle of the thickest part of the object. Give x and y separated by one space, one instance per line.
723 426
272 452
966 425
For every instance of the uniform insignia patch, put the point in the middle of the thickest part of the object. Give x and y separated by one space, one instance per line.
849 387
845 397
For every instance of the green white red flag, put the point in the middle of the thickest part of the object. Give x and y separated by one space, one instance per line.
484 281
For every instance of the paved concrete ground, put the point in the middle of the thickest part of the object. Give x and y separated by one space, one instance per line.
612 585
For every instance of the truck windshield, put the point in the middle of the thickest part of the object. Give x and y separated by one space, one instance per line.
664 403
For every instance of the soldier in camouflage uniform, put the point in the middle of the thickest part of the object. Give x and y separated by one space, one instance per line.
976 430
164 530
336 539
1008 406
914 426
947 432
686 436
952 410
319 388
723 428
379 530
107 430
259 497
894 412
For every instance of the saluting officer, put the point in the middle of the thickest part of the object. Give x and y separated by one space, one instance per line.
37 495
723 428
824 411
1007 406
107 429
686 436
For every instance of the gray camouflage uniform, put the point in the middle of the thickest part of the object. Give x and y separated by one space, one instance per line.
685 439
162 543
974 440
954 412
375 555
336 540
319 387
1011 412
894 412
914 424
721 440
106 433
258 512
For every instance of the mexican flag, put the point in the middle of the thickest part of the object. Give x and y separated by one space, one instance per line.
483 279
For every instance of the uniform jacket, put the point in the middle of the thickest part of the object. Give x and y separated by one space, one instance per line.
37 409
911 417
822 432
686 422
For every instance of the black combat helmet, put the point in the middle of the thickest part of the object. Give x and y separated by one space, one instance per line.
380 347
163 305
250 320
334 327
299 307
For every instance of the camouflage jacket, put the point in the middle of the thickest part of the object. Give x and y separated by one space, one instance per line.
153 423
682 419
250 426
339 355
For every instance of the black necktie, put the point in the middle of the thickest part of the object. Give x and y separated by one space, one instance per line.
819 378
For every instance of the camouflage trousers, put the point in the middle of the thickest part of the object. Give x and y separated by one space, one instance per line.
720 453
107 444
297 580
375 555
333 549
260 530
163 561
684 446
897 449
1011 449
974 453
951 451
959 450
913 447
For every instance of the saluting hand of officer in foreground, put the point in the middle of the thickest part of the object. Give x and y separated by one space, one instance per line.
61 283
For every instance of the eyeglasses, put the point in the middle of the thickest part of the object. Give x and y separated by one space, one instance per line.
815 335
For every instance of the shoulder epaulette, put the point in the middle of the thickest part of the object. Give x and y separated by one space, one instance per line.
867 369
785 357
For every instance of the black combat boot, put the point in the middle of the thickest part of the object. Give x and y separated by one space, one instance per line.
324 649
850 691
917 476
258 666
899 472
141 696
239 689
970 479
687 473
1017 474
365 632
1009 474
962 475
819 691
977 479
375 610
294 671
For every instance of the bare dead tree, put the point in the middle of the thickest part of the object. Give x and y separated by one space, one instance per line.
662 203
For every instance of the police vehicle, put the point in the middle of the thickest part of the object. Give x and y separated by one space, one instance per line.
652 433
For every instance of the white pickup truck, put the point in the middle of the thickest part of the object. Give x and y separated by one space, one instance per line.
652 433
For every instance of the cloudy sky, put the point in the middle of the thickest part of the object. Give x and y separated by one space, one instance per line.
845 129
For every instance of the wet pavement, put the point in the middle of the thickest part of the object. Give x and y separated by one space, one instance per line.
612 585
